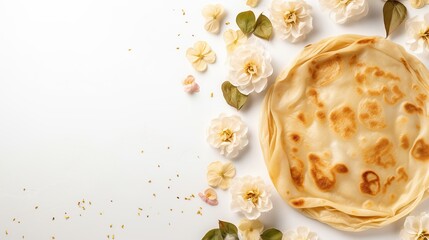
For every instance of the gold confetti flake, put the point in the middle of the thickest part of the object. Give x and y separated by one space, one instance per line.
183 12
211 94
123 226
227 23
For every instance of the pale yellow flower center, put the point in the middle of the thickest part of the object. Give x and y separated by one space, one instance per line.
252 195
226 135
345 2
251 68
290 17
423 236
425 35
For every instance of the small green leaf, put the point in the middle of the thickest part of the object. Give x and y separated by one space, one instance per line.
394 13
232 96
263 27
272 234
246 22
229 229
213 234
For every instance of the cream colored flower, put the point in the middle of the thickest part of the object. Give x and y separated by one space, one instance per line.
228 134
291 19
342 11
220 174
233 39
250 229
249 68
301 233
209 196
200 55
213 14
189 85
418 3
416 227
418 34
250 196
252 3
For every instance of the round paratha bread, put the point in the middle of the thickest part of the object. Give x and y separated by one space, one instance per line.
344 132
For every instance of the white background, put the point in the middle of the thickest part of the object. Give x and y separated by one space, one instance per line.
92 107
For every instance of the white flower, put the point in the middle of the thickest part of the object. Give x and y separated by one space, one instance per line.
301 233
228 134
342 11
252 3
249 68
250 196
250 229
213 14
292 19
220 174
418 3
416 227
200 55
233 39
418 34
190 86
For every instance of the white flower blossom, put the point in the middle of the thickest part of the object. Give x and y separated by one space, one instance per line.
228 134
301 233
342 11
291 19
418 34
250 229
199 55
416 227
250 196
418 3
233 39
249 68
220 174
213 14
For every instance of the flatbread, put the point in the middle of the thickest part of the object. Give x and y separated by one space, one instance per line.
344 132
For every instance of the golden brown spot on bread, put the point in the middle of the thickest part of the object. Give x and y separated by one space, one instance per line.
341 168
411 108
325 71
298 203
294 149
367 41
393 95
353 60
405 143
314 96
295 137
420 150
297 172
402 174
321 115
371 114
388 182
343 121
323 182
370 183
404 62
380 153
360 78
301 118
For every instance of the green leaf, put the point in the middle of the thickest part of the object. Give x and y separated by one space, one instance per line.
263 27
213 234
394 14
227 228
246 22
232 96
272 234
